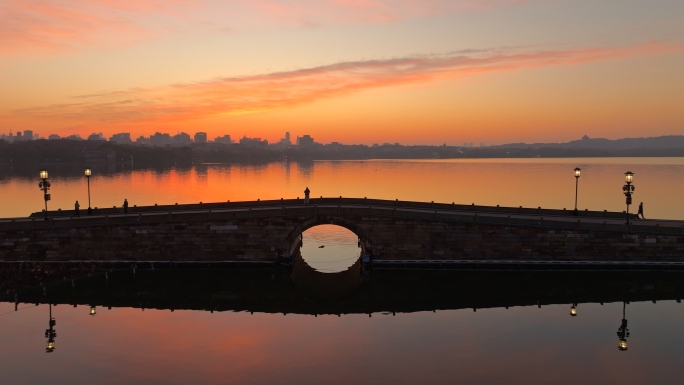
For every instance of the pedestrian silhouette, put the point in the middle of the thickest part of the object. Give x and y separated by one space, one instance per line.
306 196
641 210
76 207
125 206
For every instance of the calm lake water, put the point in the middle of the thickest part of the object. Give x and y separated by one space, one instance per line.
421 329
547 183
315 326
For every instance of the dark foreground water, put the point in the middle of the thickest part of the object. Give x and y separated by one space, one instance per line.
387 327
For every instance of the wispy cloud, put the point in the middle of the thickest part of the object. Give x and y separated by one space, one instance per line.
60 25
251 94
49 26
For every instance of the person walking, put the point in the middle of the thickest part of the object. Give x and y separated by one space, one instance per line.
306 196
125 206
76 208
640 213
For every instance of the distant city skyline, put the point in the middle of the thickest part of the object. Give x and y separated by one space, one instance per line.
415 72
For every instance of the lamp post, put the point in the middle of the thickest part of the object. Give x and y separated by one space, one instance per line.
577 175
93 310
573 310
623 332
88 172
45 186
628 190
50 334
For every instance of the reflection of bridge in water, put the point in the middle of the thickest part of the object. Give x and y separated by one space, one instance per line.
302 290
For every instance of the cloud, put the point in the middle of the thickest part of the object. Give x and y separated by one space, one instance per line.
54 26
250 94
59 25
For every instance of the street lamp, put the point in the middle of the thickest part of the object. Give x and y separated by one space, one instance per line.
50 334
628 190
577 175
93 310
45 186
573 310
623 332
88 172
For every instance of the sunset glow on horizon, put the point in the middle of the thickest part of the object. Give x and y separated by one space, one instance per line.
352 71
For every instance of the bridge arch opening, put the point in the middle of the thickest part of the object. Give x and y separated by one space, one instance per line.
329 248
343 241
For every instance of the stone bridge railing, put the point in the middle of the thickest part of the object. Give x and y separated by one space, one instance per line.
350 207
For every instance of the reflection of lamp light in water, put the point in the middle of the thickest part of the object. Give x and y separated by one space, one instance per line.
50 333
623 344
573 310
93 310
623 332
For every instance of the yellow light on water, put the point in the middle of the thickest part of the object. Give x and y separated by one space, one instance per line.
623 344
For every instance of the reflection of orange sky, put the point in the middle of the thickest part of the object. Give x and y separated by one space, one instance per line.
491 346
531 183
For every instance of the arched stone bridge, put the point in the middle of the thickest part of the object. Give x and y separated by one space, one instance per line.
265 231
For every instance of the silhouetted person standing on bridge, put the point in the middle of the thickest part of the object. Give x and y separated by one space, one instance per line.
306 196
641 210
76 207
125 206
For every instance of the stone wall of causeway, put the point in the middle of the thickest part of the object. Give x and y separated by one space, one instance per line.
266 239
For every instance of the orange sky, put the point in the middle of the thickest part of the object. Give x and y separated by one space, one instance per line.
358 71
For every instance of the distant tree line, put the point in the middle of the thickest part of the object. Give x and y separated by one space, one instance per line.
83 152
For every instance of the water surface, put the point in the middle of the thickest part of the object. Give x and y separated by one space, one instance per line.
546 183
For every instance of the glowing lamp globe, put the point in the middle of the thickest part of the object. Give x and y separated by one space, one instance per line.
629 177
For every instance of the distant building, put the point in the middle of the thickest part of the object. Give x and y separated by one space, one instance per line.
8 138
253 142
201 137
284 142
143 141
74 137
53 137
305 141
225 139
96 136
161 140
121 138
181 139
